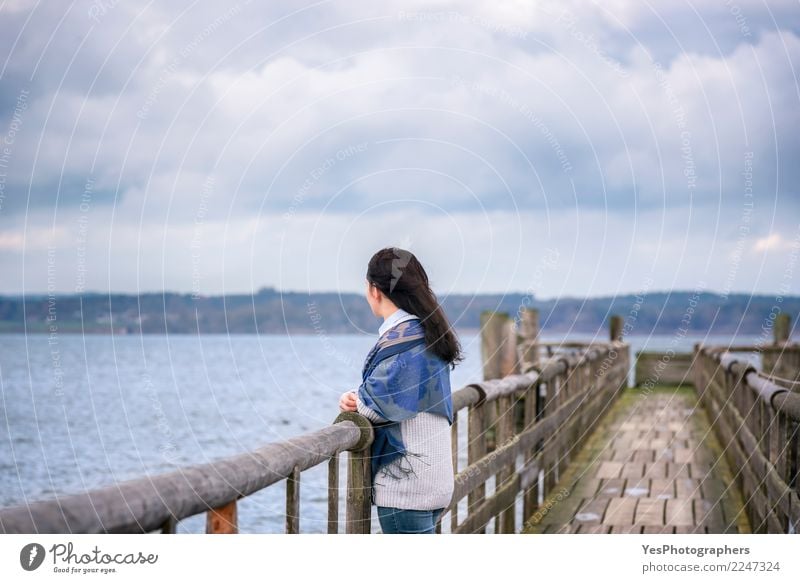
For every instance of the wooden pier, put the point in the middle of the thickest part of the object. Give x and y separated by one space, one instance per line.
552 433
653 466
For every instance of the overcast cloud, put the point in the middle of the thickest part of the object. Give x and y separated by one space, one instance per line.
222 147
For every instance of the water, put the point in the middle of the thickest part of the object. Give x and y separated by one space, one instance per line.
82 412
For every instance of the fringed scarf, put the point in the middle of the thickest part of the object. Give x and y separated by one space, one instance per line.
400 378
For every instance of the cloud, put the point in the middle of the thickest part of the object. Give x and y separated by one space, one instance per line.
556 110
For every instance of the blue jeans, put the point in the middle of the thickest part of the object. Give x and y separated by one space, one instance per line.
403 521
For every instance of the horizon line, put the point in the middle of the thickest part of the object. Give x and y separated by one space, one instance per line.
196 295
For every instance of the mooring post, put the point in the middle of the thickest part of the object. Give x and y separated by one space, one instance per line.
615 328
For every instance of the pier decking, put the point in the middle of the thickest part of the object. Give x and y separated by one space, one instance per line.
552 430
652 466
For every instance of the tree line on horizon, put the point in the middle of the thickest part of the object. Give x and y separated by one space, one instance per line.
270 311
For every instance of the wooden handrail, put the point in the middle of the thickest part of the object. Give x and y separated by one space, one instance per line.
562 397
758 422
159 502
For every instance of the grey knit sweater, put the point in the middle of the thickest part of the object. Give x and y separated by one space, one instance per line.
430 485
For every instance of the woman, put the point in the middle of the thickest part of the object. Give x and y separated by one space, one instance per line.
405 392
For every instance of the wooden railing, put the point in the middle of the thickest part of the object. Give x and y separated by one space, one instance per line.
540 420
757 421
157 503
521 431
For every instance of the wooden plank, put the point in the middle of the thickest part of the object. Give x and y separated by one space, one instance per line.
359 486
504 522
688 488
794 513
609 470
591 511
222 520
293 502
592 529
643 455
476 449
620 511
170 525
586 487
637 488
611 488
658 529
632 470
454 459
500 500
662 488
709 514
676 471
333 494
629 529
699 470
679 512
559 511
650 512
656 470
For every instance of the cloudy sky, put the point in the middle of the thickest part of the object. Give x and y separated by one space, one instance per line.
560 148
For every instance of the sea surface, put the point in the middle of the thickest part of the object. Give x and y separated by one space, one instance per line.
81 412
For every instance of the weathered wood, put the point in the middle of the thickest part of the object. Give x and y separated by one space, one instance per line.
454 455
493 343
529 333
476 450
293 502
650 512
752 417
530 480
553 424
170 526
678 512
333 494
652 367
782 328
616 327
222 520
592 511
505 433
620 511
144 504
476 520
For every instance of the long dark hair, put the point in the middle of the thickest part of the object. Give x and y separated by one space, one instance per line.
401 278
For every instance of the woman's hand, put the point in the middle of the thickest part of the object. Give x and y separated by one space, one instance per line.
347 402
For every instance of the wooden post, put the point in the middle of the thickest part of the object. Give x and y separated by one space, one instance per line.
529 332
222 520
529 358
476 449
499 353
359 477
293 502
615 327
454 454
494 351
494 334
333 494
781 360
782 328
531 496
170 525
509 351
